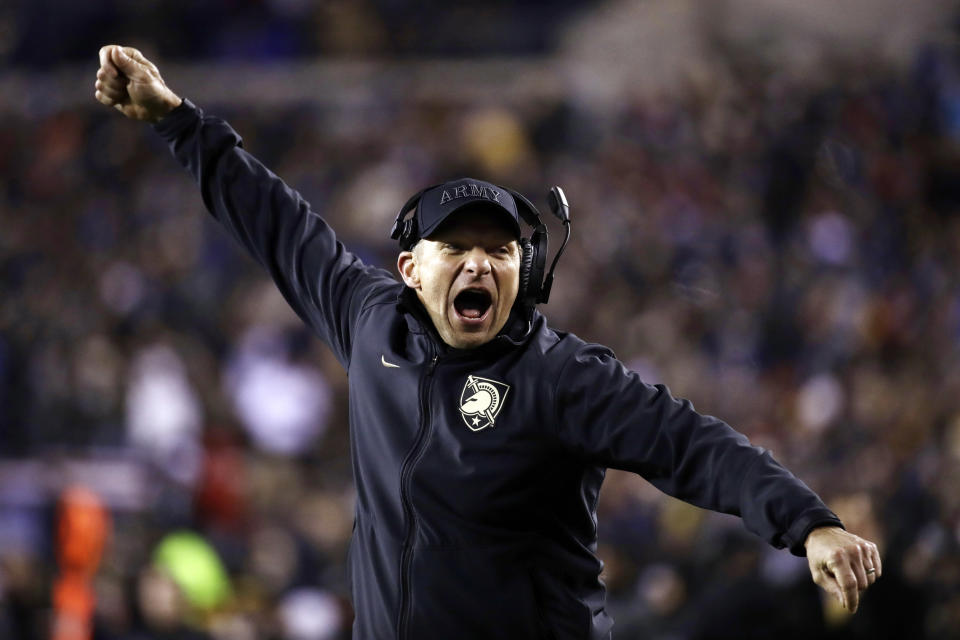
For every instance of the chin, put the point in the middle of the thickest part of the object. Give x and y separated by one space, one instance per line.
470 341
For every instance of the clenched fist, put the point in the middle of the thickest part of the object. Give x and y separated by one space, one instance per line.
132 84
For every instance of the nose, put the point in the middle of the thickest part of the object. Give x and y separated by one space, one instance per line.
477 262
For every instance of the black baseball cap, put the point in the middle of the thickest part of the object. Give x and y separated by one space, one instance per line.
440 202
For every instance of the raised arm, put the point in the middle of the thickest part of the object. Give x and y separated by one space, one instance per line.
324 283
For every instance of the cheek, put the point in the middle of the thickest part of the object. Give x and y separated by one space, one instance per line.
510 282
433 284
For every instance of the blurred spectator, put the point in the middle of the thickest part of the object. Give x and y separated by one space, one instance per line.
163 412
281 403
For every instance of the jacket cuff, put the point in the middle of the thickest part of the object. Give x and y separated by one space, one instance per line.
174 123
797 534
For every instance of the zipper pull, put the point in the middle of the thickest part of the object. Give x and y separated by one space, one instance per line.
433 364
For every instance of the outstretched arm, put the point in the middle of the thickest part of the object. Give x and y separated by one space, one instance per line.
606 413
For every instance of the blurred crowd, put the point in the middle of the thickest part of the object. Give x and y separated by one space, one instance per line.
44 32
781 249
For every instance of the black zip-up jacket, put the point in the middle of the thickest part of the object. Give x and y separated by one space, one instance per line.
477 471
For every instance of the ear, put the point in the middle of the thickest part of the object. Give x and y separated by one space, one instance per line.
407 266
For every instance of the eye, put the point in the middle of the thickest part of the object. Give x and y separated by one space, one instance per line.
451 248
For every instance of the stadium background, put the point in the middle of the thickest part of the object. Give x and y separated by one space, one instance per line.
765 202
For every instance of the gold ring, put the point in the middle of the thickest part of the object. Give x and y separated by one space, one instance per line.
871 570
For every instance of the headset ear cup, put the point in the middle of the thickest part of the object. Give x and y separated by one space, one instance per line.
526 267
538 264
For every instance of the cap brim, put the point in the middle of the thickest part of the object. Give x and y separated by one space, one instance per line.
476 207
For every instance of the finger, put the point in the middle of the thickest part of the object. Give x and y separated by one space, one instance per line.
869 562
110 75
145 65
105 55
847 583
113 84
104 99
877 563
127 65
116 90
106 65
831 584
136 55
824 578
837 593
111 91
858 565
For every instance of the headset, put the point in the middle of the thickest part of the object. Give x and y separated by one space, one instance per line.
534 285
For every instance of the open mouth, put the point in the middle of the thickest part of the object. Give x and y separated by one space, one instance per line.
472 304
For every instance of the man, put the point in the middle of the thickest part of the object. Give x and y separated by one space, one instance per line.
479 435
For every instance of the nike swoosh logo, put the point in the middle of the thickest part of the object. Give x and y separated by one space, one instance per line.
388 364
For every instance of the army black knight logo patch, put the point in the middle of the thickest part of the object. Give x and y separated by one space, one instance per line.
481 401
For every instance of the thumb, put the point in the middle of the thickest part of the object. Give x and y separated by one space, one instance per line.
836 591
124 60
826 579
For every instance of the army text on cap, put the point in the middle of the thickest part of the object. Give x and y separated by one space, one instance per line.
470 190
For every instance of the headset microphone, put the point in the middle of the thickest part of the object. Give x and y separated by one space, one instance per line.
561 209
557 200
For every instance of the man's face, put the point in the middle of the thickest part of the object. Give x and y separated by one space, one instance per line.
466 274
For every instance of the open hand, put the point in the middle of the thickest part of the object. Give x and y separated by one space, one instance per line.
132 84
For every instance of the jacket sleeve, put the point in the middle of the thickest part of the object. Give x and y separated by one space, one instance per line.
324 283
606 414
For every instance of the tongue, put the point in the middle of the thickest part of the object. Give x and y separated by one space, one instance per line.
472 305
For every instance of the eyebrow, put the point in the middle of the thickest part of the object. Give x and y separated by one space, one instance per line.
480 239
458 243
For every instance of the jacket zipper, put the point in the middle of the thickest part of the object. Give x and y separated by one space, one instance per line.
406 474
